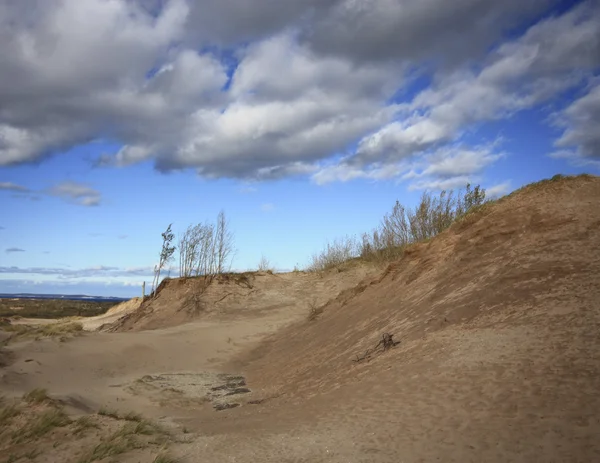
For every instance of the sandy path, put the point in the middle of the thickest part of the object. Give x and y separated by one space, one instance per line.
98 369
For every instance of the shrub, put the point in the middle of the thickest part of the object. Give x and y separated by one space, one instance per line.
335 253
402 226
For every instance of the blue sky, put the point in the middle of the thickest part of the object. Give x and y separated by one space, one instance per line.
304 121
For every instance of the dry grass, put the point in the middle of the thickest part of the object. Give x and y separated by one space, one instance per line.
40 425
84 423
37 396
52 308
163 457
7 413
127 438
400 228
335 254
26 429
264 265
62 330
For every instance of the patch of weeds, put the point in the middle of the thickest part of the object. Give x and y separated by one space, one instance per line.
131 416
163 457
112 447
84 423
123 440
7 413
142 427
61 330
41 425
109 413
37 396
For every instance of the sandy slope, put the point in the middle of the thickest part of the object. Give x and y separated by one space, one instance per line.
499 358
240 295
111 315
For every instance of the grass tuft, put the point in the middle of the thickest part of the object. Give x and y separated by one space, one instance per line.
163 457
41 425
109 413
37 396
62 330
123 440
7 413
84 423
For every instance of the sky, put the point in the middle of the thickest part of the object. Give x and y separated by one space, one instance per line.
303 121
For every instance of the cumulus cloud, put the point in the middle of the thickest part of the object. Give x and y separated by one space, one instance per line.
270 89
77 192
72 191
68 273
267 207
11 250
519 75
383 30
581 120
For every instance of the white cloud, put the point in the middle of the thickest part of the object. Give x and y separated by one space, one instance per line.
370 31
442 184
78 192
273 89
519 75
581 120
455 161
498 190
100 271
13 187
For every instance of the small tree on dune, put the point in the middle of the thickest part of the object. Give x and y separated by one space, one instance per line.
166 255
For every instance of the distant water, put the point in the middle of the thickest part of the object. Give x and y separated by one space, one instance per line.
70 297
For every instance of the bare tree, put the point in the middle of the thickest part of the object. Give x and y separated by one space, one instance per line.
224 243
206 249
432 215
264 264
166 254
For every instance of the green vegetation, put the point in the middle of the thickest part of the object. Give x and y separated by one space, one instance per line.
164 458
127 438
401 227
41 425
84 423
52 308
27 425
7 413
37 396
130 416
63 330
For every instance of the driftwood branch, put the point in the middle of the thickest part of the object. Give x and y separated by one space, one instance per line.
386 342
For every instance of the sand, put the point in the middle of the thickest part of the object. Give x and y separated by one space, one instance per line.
498 360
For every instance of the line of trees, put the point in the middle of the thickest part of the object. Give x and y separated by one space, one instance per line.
401 227
205 249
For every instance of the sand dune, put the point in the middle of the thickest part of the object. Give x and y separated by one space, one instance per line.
498 359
